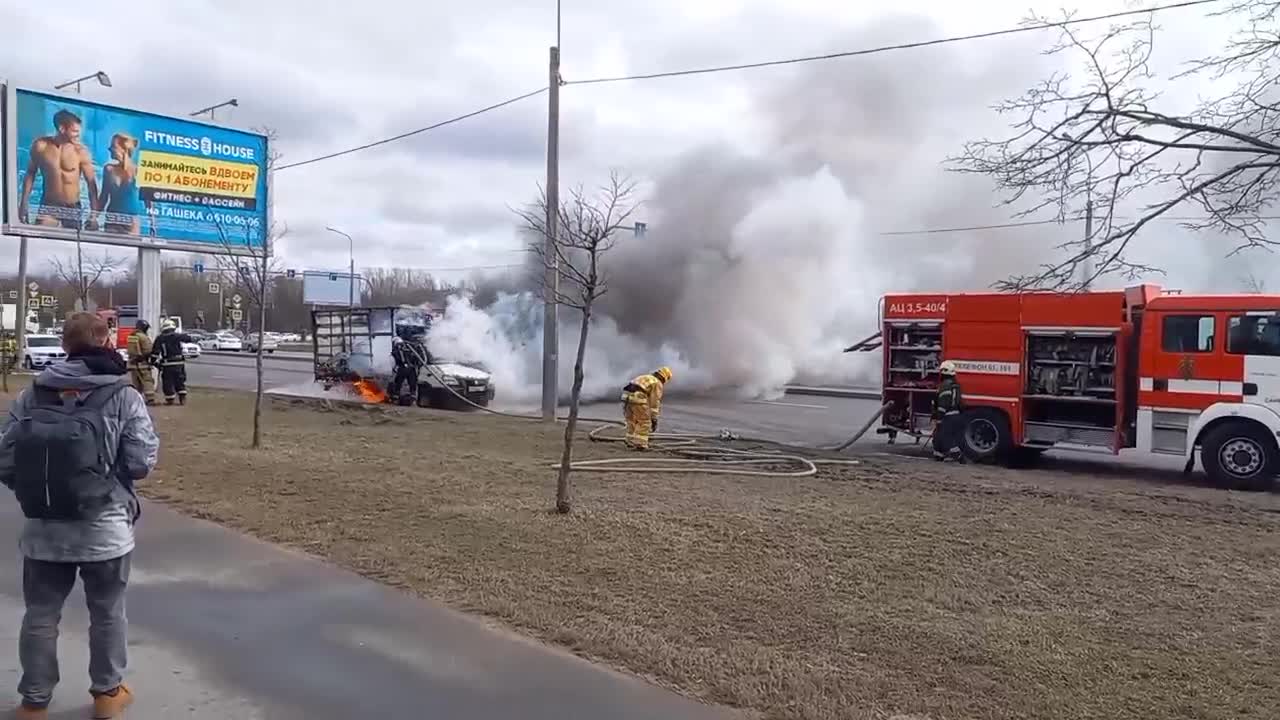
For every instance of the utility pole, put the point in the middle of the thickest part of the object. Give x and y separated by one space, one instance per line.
20 332
1086 267
551 278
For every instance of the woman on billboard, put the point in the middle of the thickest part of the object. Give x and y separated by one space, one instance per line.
121 204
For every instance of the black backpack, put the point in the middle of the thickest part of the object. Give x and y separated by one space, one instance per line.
60 455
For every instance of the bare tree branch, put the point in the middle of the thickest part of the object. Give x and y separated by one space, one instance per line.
82 273
587 228
1097 140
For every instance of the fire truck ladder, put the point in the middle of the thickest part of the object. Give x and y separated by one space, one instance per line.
868 344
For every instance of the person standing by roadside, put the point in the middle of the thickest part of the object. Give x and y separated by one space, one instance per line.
74 444
173 362
139 350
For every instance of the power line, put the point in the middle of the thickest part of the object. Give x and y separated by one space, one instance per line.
1032 223
418 131
901 46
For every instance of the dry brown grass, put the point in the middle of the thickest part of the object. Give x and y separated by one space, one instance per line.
894 588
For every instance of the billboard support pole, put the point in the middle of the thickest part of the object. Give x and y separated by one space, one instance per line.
551 278
20 327
149 285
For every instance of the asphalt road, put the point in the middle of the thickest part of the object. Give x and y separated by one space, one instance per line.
797 419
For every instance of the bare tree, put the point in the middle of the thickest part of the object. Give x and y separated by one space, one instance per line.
82 274
588 224
1253 284
1108 139
248 257
253 269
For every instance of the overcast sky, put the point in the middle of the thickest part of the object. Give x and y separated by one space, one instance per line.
326 75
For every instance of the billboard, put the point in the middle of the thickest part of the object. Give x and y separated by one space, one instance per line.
80 170
329 288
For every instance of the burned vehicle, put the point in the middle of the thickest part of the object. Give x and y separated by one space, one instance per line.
360 346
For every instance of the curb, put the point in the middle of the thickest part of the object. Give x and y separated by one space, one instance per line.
287 357
841 392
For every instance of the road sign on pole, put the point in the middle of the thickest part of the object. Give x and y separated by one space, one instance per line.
236 315
198 267
214 289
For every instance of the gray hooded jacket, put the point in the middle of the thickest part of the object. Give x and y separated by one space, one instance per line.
132 447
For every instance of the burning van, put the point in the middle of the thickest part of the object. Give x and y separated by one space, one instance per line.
353 347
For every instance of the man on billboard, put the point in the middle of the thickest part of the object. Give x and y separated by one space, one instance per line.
62 161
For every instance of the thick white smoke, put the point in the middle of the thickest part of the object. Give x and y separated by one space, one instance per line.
758 268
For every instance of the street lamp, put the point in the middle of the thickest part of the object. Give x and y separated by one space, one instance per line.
212 108
103 79
351 252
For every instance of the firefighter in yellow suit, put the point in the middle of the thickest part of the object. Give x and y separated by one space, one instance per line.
140 362
641 405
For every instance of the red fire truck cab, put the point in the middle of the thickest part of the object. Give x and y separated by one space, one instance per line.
1141 368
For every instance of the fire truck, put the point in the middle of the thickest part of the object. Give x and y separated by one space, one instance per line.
1195 376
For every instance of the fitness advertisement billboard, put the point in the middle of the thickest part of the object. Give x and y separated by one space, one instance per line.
80 170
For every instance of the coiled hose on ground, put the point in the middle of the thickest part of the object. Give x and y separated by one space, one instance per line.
698 453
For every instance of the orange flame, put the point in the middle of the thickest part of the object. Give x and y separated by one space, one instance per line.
369 391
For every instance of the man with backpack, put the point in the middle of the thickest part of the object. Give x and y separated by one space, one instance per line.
74 443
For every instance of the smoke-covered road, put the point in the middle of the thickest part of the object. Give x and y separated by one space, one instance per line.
795 419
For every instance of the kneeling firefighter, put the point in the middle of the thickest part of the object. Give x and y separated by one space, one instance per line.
173 362
410 355
641 405
946 413
139 351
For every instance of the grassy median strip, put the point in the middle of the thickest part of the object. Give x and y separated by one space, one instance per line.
895 588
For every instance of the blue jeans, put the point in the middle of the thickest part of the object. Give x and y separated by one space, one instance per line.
45 586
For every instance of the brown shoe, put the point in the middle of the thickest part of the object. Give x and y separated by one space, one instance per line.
30 712
106 706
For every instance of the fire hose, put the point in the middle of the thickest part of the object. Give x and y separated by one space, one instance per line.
692 451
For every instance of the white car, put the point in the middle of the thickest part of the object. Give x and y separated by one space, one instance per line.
190 350
43 351
269 343
221 342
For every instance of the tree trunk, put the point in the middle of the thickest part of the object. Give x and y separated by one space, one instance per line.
262 317
563 496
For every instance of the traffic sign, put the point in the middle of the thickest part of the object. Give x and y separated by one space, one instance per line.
235 298
236 315
198 267
291 273
13 294
215 289
47 300
33 286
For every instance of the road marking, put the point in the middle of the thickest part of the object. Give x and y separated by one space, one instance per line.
786 404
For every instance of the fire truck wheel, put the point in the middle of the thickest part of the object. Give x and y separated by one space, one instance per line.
986 436
1240 456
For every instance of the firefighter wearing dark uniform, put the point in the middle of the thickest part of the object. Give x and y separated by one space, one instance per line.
946 413
410 354
173 363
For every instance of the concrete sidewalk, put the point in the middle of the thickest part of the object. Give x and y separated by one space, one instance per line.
223 627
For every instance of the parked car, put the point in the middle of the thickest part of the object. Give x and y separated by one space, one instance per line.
269 343
221 341
191 350
43 351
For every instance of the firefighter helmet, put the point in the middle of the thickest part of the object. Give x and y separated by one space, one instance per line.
663 373
948 367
